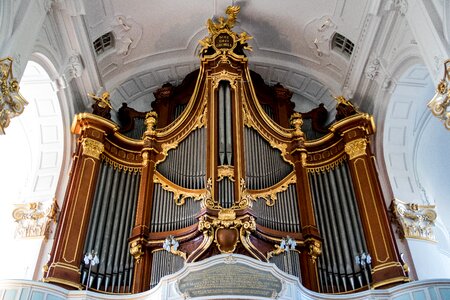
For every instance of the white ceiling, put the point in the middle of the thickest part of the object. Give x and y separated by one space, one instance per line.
157 42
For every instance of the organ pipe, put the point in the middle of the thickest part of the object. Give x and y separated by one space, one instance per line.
340 225
109 228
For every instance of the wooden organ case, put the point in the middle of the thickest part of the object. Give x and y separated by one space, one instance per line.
224 165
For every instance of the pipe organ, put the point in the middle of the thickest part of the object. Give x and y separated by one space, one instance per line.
222 164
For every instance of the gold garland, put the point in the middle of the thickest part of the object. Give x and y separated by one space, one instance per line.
328 167
119 166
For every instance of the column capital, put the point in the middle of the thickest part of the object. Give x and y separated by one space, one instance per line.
356 148
92 148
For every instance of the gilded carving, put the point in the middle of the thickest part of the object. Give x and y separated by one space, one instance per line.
221 38
327 167
92 148
12 103
356 148
136 250
125 168
150 122
297 122
180 194
414 221
270 194
227 229
314 248
225 171
34 219
246 199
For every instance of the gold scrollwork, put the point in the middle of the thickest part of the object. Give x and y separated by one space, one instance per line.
356 148
278 250
12 103
250 123
226 220
180 194
270 194
92 148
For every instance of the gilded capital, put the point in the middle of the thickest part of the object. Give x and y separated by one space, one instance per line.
356 148
92 148
414 221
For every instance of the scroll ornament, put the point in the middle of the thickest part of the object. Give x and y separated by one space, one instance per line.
415 221
34 219
12 103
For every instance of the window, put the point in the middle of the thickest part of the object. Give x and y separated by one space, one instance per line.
342 44
103 43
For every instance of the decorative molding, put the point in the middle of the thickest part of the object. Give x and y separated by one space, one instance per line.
34 219
127 33
270 194
225 171
180 194
73 68
314 248
400 5
356 148
373 69
136 250
92 148
415 221
227 229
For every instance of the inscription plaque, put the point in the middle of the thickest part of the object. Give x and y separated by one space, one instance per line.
223 41
230 279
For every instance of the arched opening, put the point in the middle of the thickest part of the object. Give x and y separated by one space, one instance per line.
32 163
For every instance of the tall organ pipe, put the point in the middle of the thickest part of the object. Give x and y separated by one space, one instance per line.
339 222
186 164
167 216
225 124
282 215
263 164
110 225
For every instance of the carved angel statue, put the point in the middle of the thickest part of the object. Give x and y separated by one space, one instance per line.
102 101
102 106
228 23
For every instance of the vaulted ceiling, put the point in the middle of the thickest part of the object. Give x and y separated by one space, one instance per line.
292 43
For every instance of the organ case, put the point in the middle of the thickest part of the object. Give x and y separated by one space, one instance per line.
222 167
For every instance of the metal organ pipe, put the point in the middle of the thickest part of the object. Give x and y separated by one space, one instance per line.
110 225
340 226
263 164
186 164
225 124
